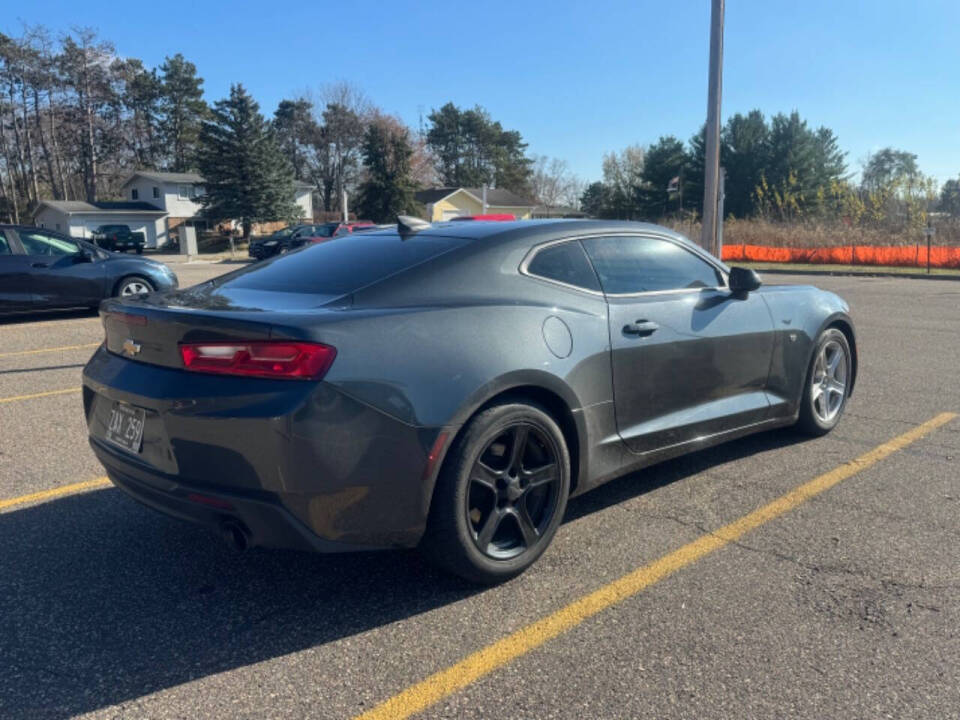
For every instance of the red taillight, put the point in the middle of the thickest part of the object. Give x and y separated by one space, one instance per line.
272 359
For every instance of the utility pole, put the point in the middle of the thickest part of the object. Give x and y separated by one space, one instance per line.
711 174
343 206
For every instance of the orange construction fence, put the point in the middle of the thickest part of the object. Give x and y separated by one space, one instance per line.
901 256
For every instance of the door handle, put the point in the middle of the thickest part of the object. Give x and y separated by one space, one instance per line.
640 328
41 265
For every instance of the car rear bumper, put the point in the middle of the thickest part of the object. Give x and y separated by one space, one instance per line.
288 456
263 519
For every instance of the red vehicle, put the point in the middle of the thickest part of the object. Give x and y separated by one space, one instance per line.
504 217
339 229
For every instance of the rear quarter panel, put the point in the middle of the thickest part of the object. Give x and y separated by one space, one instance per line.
432 365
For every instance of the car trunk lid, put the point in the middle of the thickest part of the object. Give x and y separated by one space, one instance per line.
152 328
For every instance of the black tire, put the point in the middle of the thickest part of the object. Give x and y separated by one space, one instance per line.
139 251
464 504
130 279
813 420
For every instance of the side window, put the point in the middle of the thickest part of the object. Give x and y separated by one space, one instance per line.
633 264
5 248
566 263
38 243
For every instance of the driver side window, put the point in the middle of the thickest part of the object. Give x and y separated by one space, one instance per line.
40 243
634 264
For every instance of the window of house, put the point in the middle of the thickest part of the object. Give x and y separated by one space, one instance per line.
184 192
633 264
566 263
134 194
156 191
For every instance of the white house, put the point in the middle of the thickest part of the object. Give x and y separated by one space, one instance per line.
155 203
79 219
176 193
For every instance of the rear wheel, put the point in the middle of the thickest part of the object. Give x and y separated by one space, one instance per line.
501 494
134 285
827 385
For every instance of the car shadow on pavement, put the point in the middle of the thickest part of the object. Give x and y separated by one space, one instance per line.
41 317
104 601
641 482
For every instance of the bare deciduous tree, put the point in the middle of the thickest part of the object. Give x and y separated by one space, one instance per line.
553 183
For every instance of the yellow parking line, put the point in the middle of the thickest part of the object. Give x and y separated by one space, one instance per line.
48 393
49 350
483 662
55 492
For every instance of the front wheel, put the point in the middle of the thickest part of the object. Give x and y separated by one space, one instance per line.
134 285
827 385
501 494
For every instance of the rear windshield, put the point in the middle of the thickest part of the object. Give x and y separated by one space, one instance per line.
344 264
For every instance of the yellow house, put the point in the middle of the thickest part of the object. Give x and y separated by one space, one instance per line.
445 203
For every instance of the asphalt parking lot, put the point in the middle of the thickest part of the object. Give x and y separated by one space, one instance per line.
844 603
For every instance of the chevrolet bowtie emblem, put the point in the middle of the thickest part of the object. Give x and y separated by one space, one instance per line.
130 347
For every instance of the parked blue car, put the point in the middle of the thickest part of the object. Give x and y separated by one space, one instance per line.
41 269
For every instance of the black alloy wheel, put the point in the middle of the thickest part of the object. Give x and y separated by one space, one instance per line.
500 494
513 493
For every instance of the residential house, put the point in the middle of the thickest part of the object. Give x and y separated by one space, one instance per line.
155 203
445 203
80 219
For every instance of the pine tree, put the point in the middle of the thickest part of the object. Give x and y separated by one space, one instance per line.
246 174
182 109
472 149
744 153
389 188
663 161
594 200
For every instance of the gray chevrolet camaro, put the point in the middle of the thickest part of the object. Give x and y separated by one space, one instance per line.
450 386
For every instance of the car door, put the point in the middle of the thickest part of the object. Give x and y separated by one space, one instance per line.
60 275
690 359
15 292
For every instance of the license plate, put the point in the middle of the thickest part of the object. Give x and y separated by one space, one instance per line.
126 426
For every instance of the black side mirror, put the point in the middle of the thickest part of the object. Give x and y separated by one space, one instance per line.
83 256
744 280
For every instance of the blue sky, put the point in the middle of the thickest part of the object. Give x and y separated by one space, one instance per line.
577 79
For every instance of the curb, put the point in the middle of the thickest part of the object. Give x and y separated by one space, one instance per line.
854 273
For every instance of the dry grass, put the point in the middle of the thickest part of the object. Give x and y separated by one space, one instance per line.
762 232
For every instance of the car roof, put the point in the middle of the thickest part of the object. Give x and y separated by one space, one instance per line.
517 229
